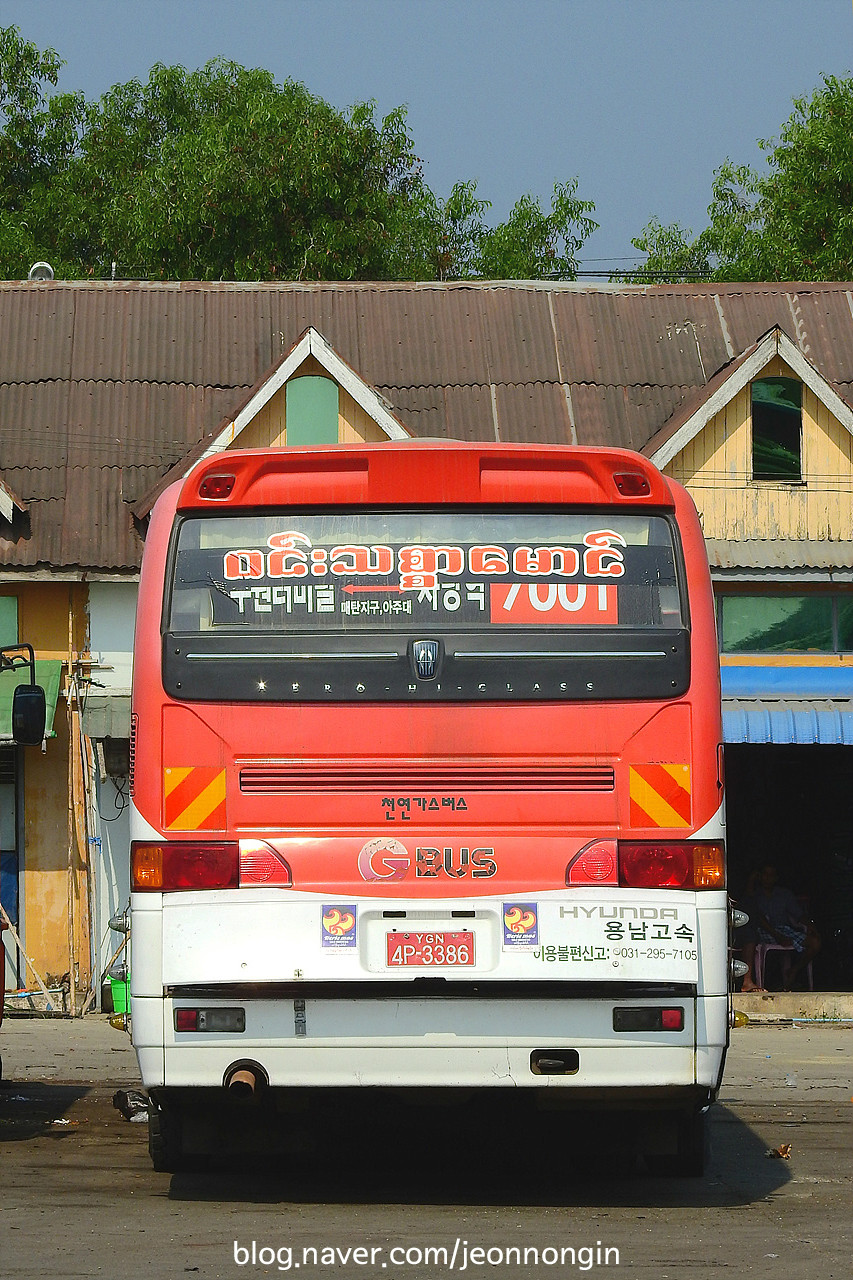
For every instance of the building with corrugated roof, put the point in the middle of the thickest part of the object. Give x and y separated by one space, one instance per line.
109 389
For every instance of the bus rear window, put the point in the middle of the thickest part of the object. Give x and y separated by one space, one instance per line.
350 572
421 606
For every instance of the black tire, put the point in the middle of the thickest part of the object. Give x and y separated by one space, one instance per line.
165 1145
692 1145
689 1136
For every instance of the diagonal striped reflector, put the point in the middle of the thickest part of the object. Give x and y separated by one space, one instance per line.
194 798
660 795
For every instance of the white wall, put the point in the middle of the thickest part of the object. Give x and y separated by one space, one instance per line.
112 615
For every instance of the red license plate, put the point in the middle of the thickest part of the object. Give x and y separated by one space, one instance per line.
429 950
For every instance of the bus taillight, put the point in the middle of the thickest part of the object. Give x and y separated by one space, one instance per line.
671 864
216 487
632 484
184 865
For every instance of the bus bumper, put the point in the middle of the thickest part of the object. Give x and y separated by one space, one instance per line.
566 1045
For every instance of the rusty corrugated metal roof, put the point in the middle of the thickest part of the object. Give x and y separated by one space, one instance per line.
104 386
780 553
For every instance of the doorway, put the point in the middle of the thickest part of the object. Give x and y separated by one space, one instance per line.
793 806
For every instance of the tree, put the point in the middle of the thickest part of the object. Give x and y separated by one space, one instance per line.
222 173
37 138
792 222
532 243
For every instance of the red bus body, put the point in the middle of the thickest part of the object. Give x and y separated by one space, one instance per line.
355 876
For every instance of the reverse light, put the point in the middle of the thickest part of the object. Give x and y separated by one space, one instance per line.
183 865
217 487
596 863
671 864
260 863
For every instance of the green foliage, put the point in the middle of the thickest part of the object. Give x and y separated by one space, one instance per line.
222 173
38 136
532 244
792 222
670 254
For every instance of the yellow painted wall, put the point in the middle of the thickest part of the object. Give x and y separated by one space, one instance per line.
268 429
52 893
717 469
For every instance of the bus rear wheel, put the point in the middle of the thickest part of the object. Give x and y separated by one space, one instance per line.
686 1146
692 1144
165 1138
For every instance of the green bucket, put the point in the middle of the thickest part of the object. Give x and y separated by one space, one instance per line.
120 995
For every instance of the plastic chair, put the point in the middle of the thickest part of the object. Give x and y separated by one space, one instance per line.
787 956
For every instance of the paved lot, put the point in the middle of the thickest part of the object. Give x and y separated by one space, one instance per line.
80 1198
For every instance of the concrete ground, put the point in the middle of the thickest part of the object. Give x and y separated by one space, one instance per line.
81 1198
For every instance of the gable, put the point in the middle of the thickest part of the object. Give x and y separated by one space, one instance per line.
717 464
268 428
302 383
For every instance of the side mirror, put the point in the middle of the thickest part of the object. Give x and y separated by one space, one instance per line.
29 715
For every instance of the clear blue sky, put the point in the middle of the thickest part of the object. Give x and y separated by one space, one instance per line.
641 99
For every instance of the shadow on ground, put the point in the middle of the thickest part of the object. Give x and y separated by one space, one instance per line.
37 1110
496 1156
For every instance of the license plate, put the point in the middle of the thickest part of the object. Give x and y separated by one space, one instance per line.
430 950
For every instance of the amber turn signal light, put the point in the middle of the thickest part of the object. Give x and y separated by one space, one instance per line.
146 866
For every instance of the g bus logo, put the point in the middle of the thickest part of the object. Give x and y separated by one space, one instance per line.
383 859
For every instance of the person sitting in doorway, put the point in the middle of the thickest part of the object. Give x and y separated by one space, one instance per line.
777 917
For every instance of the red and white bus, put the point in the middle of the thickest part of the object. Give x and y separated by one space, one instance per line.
427 785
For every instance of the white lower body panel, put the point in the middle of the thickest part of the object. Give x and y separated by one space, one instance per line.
433 1043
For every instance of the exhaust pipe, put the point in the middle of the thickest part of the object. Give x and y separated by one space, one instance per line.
245 1079
243 1083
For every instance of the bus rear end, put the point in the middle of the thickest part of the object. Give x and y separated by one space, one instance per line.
426 787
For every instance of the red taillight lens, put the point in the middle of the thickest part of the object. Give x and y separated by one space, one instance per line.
216 487
164 868
632 484
655 866
671 864
186 1019
672 1019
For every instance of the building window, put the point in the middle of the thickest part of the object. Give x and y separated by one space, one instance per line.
786 624
777 413
8 620
311 408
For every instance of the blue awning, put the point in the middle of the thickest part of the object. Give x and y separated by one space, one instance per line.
764 680
804 722
788 703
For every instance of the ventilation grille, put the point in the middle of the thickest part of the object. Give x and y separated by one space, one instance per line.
282 779
134 719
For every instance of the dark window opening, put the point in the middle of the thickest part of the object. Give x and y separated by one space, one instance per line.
814 623
777 410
